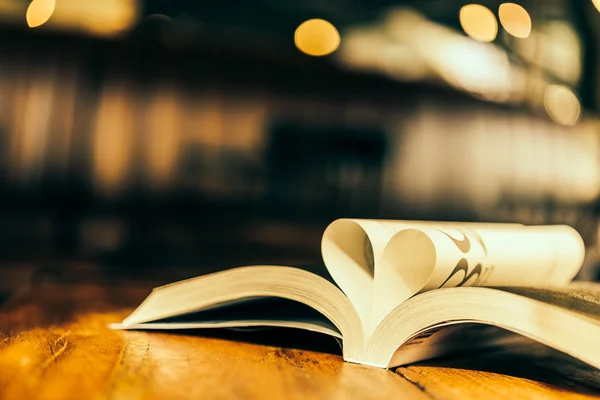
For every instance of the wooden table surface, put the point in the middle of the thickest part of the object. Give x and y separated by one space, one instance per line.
54 344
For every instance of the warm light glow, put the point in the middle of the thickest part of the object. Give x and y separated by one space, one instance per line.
164 141
479 22
103 18
317 37
561 51
556 47
370 49
480 68
515 20
596 4
562 105
475 67
107 18
113 142
39 12
33 108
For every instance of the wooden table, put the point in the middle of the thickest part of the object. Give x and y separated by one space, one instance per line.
54 344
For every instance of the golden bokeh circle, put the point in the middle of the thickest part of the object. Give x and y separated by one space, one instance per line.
317 37
515 20
39 12
479 22
562 105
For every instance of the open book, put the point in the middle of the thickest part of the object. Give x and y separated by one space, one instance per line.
396 292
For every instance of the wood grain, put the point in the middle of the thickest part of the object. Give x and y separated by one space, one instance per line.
54 344
455 383
528 371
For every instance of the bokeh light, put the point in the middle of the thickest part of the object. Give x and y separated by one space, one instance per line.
515 20
596 4
317 37
479 22
556 47
478 68
562 105
39 12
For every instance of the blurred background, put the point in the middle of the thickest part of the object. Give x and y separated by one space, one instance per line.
150 135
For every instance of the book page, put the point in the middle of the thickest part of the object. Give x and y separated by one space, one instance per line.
247 312
581 297
380 264
352 248
565 318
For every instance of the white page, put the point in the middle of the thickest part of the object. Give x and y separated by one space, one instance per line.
380 264
314 326
353 249
418 260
